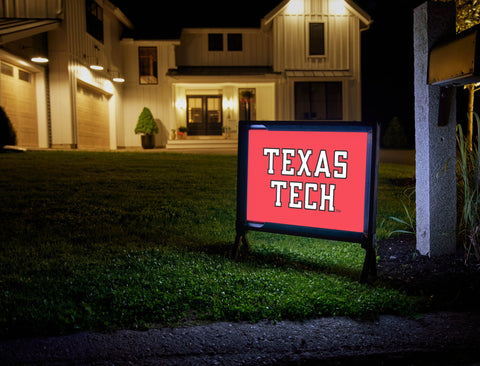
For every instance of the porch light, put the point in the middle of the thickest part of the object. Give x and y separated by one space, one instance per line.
39 59
181 104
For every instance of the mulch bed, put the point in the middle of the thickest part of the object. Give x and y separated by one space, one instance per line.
446 281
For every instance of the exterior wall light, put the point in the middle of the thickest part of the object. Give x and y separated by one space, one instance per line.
39 59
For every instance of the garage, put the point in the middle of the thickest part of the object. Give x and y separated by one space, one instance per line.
93 131
18 99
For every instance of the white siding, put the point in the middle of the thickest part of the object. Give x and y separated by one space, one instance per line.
193 49
72 50
156 97
342 52
36 9
291 39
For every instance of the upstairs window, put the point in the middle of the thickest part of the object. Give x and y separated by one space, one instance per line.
316 45
147 65
235 42
215 42
94 20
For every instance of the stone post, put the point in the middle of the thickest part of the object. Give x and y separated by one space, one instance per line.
435 146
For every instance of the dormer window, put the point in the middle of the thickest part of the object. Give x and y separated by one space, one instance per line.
94 17
316 44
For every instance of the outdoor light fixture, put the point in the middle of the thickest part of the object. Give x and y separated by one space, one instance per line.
96 64
39 59
116 77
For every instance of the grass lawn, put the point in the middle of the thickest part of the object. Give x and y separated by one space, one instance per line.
109 240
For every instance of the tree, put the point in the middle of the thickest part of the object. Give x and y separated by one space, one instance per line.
468 15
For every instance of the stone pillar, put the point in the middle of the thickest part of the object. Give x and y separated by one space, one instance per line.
435 146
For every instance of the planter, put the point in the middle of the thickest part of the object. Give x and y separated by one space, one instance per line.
148 141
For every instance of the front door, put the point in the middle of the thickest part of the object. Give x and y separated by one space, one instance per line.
204 115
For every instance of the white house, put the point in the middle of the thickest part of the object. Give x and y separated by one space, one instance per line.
303 63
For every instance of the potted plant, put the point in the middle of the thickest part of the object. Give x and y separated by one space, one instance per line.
182 132
148 127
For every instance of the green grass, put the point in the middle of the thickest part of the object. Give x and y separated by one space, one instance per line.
108 240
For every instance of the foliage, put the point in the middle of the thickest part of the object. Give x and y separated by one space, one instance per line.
135 240
468 13
7 132
395 136
409 221
146 123
468 170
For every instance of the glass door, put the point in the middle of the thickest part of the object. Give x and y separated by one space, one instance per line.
204 115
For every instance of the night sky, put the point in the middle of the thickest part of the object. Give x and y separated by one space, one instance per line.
387 47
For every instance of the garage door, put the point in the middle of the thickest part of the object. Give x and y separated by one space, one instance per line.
18 99
92 119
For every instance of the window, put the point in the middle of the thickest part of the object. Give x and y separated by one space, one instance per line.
24 75
94 20
316 46
234 41
247 104
318 101
215 42
7 69
147 64
204 115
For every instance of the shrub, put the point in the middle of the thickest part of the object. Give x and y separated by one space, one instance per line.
395 136
7 132
146 123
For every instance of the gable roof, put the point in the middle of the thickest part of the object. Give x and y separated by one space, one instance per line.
365 19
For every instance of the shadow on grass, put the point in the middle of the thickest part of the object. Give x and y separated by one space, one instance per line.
277 260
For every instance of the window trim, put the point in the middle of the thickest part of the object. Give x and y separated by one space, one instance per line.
154 67
308 39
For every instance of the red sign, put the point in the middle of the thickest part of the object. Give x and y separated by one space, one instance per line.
307 178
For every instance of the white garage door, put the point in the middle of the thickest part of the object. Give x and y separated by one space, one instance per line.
92 119
18 99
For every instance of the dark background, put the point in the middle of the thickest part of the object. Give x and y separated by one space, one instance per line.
387 47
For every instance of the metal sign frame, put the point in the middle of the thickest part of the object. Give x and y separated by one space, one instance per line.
253 133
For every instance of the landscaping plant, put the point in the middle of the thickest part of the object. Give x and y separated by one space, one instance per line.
7 132
468 178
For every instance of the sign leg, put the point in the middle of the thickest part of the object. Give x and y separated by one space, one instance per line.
370 263
241 244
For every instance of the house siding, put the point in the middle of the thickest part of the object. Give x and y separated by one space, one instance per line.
156 97
71 51
193 48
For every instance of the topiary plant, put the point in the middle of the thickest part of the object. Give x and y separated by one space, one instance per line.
7 132
146 123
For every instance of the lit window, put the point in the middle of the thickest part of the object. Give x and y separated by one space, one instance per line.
147 64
